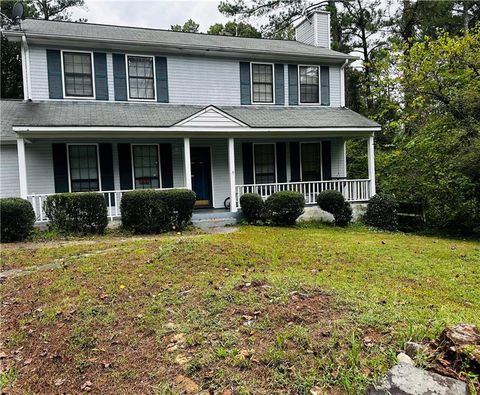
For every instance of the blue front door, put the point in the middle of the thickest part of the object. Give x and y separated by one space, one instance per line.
202 175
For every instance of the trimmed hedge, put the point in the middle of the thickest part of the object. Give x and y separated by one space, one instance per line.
382 212
252 206
16 219
150 211
283 208
180 203
334 203
77 213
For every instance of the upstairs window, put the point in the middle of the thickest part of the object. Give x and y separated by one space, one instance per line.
83 162
309 84
77 74
141 76
146 166
262 83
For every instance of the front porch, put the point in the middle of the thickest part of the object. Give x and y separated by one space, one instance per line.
229 167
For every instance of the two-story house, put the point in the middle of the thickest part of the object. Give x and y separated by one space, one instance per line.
112 108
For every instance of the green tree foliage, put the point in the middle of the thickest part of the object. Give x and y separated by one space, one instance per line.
189 26
11 62
438 162
234 29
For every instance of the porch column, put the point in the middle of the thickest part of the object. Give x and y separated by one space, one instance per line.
188 164
231 171
22 168
371 165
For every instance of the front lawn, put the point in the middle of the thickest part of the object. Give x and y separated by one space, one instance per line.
258 311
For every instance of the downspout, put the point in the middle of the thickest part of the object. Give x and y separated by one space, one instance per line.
26 64
342 83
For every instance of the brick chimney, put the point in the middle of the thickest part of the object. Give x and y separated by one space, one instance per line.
314 29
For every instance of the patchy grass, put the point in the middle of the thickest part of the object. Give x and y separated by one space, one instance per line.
258 311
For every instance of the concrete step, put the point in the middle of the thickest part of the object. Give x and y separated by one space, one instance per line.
211 219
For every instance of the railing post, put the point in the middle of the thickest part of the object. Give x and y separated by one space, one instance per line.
371 165
231 170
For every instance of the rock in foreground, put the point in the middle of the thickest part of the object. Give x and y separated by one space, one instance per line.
405 379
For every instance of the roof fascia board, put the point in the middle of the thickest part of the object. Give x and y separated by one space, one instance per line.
180 129
113 44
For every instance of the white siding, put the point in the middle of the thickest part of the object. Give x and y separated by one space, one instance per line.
314 30
9 182
305 32
38 73
285 83
335 91
111 90
338 158
40 178
195 80
210 118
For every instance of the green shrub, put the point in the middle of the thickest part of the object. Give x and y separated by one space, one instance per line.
77 213
283 208
150 211
180 203
252 206
382 212
16 219
334 203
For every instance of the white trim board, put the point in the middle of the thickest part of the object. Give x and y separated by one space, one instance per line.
200 119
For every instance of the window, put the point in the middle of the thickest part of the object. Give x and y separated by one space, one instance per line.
83 162
145 166
311 161
262 83
141 78
264 157
309 92
77 74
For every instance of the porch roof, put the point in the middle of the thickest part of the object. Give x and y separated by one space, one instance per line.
57 114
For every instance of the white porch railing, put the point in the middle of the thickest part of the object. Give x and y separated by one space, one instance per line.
112 198
352 190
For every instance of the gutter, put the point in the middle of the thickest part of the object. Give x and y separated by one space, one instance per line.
175 47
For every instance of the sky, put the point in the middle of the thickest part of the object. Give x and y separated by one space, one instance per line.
151 13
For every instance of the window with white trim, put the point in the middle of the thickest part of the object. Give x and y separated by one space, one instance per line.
145 166
141 81
262 83
309 84
265 168
78 74
83 161
311 161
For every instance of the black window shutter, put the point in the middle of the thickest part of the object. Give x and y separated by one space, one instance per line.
101 80
106 166
279 84
119 77
161 73
166 165
245 96
325 85
295 161
247 159
292 84
125 166
60 167
327 160
281 162
54 67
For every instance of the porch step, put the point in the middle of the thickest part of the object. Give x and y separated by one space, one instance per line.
213 218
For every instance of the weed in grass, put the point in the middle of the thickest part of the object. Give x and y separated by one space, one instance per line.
8 377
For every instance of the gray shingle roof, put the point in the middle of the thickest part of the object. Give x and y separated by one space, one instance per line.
137 115
159 37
